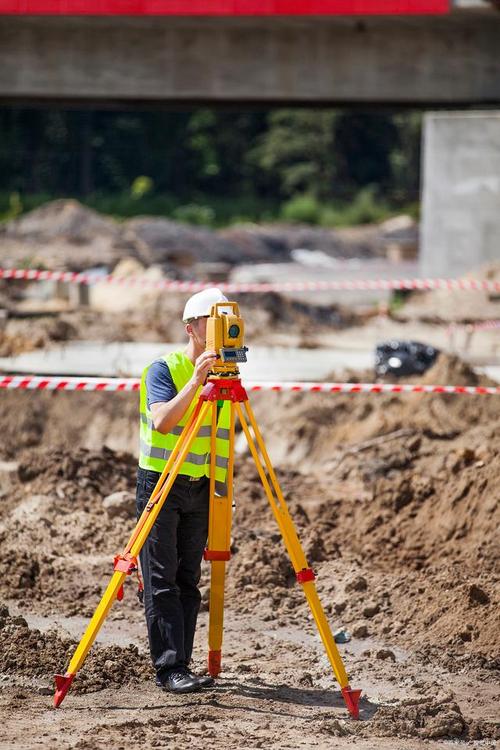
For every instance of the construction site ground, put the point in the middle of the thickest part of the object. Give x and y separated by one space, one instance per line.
396 498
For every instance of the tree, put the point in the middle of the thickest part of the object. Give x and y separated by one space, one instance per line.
299 149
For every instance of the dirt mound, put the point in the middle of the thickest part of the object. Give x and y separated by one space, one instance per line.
428 718
81 476
55 523
59 219
61 234
26 652
170 243
66 420
279 315
275 242
446 306
416 497
310 431
260 575
451 370
64 234
419 500
434 540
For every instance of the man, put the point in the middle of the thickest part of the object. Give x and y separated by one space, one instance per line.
171 557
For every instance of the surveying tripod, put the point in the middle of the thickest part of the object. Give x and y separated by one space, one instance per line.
218 550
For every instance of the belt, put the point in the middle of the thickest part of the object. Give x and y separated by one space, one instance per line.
186 478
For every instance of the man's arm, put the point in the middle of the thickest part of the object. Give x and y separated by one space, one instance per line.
166 414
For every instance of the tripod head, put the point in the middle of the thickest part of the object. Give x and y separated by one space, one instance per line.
225 330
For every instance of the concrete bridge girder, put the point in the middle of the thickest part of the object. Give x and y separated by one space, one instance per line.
396 60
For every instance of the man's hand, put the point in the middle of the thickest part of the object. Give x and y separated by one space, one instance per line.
202 367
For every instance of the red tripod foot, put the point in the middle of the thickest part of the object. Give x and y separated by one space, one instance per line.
63 684
214 663
351 698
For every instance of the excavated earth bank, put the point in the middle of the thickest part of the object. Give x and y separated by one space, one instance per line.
396 499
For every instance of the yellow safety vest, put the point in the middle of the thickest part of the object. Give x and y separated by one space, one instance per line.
155 447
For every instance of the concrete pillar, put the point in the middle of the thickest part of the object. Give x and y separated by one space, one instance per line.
461 192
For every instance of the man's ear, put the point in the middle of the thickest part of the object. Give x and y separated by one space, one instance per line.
189 329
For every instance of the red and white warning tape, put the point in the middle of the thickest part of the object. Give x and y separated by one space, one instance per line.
487 325
481 325
292 286
59 383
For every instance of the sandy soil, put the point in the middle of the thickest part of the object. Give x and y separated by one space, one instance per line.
396 500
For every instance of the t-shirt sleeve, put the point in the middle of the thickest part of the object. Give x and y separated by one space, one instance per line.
159 383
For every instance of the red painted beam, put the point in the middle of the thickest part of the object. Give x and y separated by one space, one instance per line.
222 7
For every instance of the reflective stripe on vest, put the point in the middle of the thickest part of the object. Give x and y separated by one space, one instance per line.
192 458
156 448
204 431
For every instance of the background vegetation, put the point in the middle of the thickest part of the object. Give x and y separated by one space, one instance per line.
213 167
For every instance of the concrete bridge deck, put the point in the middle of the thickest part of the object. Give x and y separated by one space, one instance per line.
396 60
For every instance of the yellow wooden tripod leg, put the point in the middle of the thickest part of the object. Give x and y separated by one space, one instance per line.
305 576
218 548
145 524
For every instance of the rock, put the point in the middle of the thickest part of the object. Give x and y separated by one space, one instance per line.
119 504
385 653
370 610
9 467
357 584
342 636
18 620
339 607
45 690
477 595
243 668
360 630
334 728
306 680
449 724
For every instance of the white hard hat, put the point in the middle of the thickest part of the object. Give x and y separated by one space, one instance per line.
200 304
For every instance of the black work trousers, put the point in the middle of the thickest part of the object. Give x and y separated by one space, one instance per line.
170 565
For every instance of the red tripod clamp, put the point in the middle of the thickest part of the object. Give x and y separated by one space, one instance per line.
305 575
125 563
217 555
223 389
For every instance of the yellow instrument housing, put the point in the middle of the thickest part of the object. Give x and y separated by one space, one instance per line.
225 335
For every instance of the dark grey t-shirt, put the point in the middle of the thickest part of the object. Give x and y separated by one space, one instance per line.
160 385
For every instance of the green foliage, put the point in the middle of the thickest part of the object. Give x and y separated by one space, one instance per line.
122 205
298 146
15 207
221 212
141 186
192 213
212 166
302 209
365 209
31 261
398 300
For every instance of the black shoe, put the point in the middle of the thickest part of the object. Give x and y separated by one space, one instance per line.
204 680
178 681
